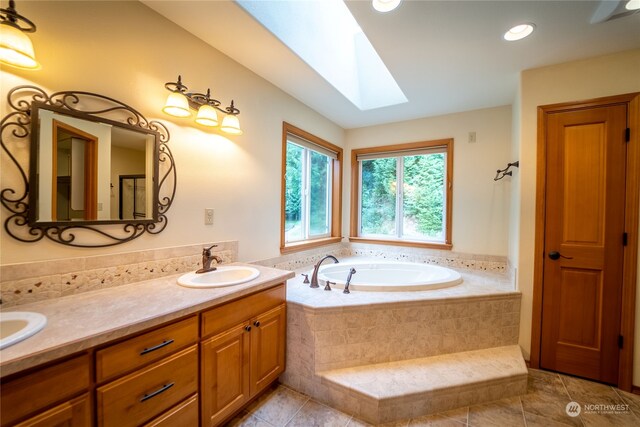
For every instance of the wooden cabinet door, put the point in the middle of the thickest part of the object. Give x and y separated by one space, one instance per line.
75 413
224 381
268 336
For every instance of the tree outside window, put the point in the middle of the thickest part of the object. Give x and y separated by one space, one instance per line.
403 193
311 199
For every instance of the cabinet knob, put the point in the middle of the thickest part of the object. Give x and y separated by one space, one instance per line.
256 323
247 328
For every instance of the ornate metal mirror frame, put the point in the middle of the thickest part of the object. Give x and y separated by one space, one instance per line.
16 128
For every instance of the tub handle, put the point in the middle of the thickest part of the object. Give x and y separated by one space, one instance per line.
328 285
306 278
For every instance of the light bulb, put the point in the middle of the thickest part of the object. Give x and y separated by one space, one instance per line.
519 32
385 5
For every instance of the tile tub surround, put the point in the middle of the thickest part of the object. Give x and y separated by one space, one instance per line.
79 322
331 330
31 282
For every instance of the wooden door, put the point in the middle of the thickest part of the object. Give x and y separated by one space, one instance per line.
584 226
268 337
224 382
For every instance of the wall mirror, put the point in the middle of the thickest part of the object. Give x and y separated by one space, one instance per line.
99 173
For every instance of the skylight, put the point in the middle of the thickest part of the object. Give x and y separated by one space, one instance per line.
325 35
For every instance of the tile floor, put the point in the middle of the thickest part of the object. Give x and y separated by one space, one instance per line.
543 406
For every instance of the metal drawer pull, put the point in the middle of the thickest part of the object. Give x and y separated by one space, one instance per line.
157 392
156 347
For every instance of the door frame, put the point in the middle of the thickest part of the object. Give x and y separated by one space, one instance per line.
90 166
632 216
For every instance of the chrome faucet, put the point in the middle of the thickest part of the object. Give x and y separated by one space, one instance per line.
314 277
206 260
346 287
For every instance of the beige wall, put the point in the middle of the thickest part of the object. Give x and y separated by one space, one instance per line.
480 204
572 81
126 51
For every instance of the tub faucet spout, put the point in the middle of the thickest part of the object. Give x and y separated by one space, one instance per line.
314 277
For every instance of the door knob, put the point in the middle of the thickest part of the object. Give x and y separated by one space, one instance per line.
554 255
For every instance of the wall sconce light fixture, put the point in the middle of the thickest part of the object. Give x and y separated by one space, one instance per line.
180 102
16 48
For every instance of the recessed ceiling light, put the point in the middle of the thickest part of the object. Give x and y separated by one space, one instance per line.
633 5
519 32
385 5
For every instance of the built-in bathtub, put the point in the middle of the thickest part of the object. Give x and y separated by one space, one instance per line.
388 276
331 330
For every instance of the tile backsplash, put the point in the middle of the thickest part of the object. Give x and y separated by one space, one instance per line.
34 281
491 263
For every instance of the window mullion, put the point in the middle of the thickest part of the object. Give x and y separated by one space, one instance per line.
399 196
328 203
306 211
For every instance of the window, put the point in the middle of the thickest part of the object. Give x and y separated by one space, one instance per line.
415 213
311 183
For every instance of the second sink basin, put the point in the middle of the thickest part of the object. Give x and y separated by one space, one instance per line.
222 276
16 326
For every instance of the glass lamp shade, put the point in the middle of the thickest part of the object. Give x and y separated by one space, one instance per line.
177 105
207 116
16 48
231 124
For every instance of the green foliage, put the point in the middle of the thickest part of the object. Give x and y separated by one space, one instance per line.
293 183
378 212
424 193
318 192
318 202
423 196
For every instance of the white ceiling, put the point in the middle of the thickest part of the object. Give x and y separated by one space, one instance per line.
447 56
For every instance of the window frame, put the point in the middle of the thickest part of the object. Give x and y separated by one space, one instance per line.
335 197
398 150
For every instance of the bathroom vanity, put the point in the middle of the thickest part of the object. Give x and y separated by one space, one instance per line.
183 357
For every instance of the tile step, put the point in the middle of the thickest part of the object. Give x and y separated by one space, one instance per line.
431 384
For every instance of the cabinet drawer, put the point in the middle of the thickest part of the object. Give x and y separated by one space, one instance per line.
27 394
142 395
185 414
74 413
230 314
154 345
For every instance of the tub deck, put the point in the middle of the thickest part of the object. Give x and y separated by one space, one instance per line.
476 283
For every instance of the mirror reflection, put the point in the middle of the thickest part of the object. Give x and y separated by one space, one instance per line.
92 170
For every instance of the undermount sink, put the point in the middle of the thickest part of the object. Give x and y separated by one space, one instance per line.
222 276
16 326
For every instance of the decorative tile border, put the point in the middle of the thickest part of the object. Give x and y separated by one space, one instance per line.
30 282
490 263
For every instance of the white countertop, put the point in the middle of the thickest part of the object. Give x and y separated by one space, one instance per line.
79 322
